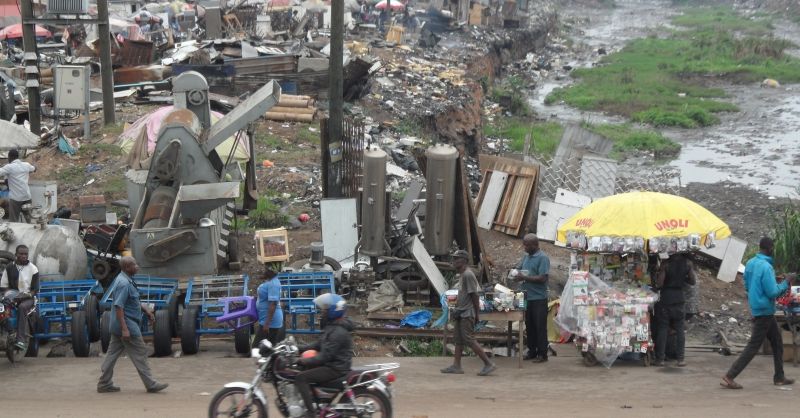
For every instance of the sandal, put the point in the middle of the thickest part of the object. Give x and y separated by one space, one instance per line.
729 384
452 370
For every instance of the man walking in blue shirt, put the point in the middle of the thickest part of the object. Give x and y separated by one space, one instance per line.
126 334
534 269
270 314
762 290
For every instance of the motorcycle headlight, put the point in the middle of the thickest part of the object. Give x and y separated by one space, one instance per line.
265 348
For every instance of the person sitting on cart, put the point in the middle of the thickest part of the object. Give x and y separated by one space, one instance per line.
270 314
334 349
673 277
22 276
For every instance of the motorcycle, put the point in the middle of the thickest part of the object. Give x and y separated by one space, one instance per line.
9 315
364 392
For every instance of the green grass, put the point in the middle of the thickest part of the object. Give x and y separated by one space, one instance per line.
628 139
657 80
544 140
305 135
267 215
421 348
268 139
115 184
786 232
73 174
510 94
721 18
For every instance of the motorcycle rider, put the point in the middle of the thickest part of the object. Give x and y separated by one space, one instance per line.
335 349
22 276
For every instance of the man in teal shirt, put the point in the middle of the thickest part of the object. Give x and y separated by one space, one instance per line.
534 269
270 314
126 334
762 290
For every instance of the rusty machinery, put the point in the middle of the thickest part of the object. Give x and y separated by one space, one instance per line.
183 220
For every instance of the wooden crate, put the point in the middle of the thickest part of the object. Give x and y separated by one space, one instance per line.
272 245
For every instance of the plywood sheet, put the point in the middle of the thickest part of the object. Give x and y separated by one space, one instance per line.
732 260
491 200
551 216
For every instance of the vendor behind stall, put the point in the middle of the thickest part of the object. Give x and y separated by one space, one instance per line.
673 277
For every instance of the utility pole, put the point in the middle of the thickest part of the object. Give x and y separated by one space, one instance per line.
31 59
107 72
335 98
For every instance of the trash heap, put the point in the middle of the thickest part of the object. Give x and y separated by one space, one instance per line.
607 320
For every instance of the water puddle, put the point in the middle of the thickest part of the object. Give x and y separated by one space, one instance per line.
757 146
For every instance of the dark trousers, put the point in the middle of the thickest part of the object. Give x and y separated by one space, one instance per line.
763 327
670 316
274 335
536 326
304 380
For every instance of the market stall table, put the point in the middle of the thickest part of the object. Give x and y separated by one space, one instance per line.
510 317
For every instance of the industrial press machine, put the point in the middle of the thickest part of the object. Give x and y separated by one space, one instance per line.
184 210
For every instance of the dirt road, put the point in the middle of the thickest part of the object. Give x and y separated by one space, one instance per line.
53 387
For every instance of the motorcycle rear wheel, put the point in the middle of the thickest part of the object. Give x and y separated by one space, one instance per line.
224 404
382 404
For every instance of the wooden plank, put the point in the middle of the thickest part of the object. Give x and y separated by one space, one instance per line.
494 194
408 200
428 266
461 222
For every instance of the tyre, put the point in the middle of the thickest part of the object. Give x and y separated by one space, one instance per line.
298 265
105 330
227 400
13 354
379 404
172 308
410 280
36 327
80 334
241 339
92 309
162 333
190 339
589 360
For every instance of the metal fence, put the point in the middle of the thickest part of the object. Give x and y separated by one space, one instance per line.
572 174
344 175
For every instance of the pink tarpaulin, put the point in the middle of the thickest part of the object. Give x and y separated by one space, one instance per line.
152 123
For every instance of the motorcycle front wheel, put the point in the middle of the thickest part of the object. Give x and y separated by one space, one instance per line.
231 402
380 404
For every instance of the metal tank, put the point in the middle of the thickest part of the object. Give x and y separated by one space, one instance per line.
57 251
373 204
440 201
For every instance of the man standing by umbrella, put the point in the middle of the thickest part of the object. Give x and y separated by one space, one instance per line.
673 277
762 290
534 269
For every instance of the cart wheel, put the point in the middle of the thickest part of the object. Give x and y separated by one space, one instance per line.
174 323
190 339
647 359
92 309
80 334
105 330
589 360
241 339
162 333
36 327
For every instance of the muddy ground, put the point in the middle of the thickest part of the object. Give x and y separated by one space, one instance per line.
50 387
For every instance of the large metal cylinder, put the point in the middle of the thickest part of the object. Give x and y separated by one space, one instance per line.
57 251
440 200
159 208
373 203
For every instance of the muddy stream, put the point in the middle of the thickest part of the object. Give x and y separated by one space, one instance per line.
755 147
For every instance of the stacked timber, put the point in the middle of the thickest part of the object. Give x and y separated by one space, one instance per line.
293 109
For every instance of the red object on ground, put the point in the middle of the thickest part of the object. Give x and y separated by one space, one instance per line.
303 217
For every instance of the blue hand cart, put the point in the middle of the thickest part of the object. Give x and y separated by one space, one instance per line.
162 296
60 314
208 298
298 291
